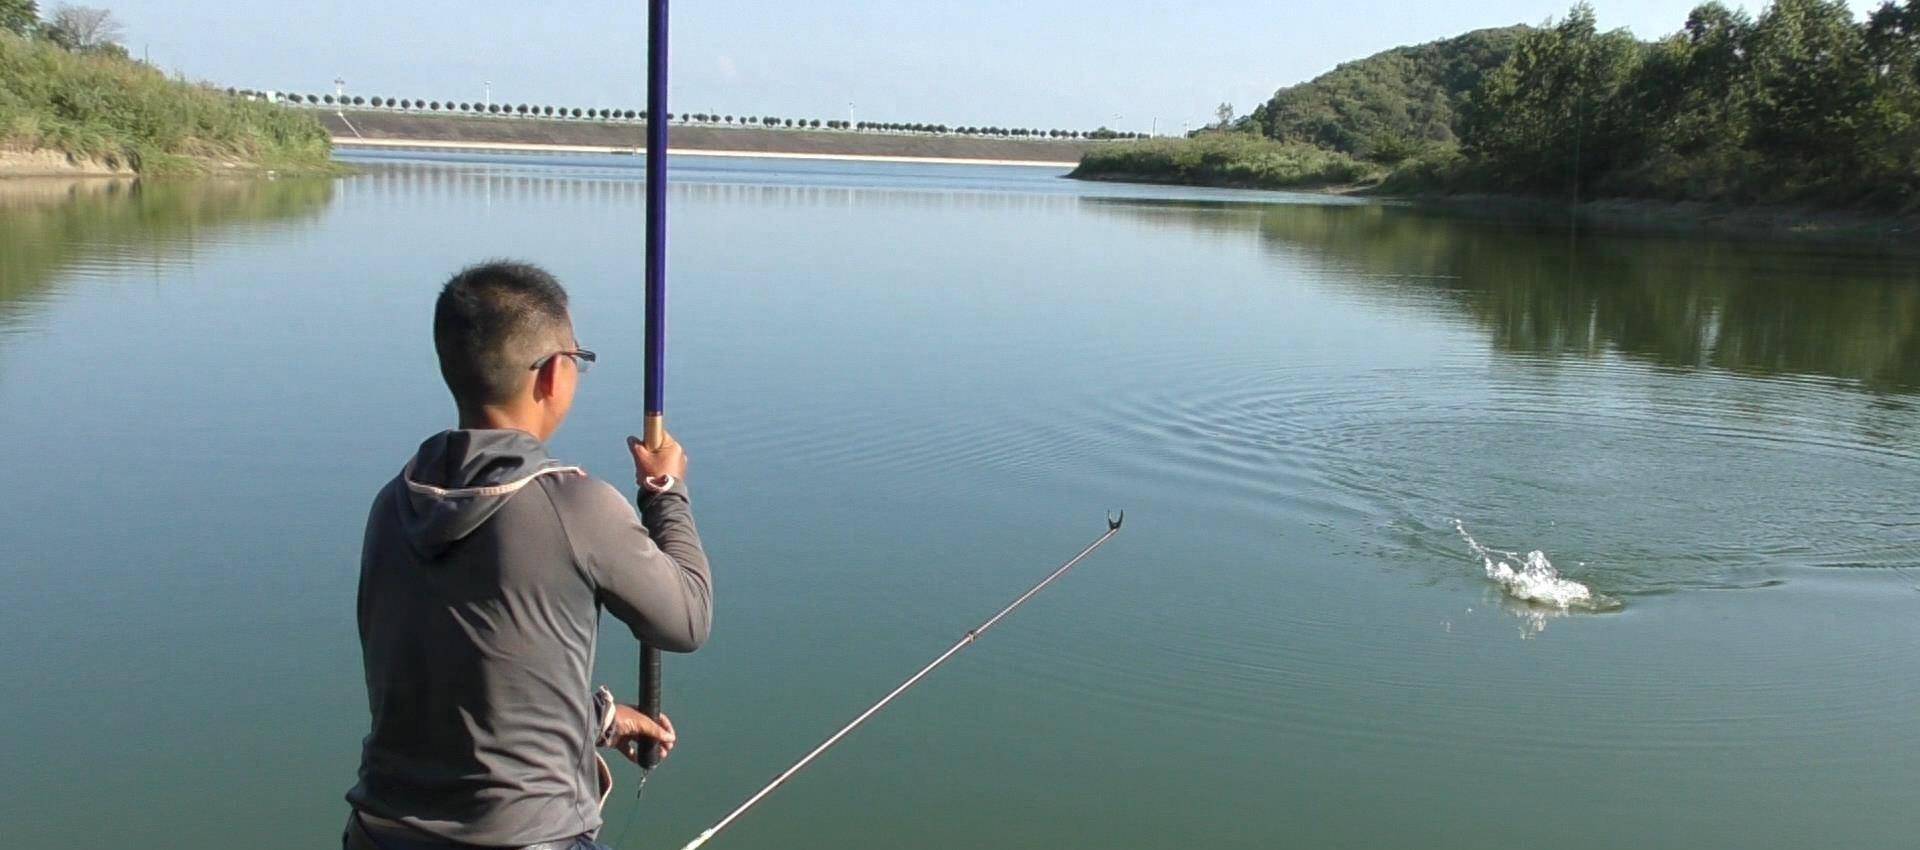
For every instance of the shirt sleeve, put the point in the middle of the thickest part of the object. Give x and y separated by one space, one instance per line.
652 575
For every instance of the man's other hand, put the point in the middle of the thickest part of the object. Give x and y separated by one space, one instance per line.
669 459
633 731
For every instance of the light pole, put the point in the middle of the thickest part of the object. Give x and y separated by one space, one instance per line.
489 93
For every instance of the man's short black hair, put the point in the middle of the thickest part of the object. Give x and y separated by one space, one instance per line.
492 322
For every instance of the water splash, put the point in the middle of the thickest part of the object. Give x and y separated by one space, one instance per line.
1531 578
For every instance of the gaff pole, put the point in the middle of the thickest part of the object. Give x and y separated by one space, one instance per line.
654 432
1113 527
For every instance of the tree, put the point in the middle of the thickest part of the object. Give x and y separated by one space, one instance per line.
20 17
1893 40
82 28
1223 116
1558 113
1812 84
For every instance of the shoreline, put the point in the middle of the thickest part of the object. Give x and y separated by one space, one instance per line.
1340 189
351 143
1619 215
43 163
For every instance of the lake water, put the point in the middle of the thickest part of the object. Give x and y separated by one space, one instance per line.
909 391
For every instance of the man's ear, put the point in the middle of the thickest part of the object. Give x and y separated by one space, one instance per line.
544 377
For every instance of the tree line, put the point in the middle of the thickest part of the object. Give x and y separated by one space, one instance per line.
528 110
1802 103
88 29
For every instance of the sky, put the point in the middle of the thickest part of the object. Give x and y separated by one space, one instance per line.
1139 65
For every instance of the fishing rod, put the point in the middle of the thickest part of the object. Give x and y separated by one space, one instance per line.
1113 527
654 432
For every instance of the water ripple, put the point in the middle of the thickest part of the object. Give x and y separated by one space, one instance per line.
1705 480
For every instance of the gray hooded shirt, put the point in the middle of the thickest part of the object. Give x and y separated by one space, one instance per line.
485 566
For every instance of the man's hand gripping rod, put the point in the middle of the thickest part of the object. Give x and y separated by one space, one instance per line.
1113 527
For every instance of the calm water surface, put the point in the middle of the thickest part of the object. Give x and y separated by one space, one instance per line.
908 392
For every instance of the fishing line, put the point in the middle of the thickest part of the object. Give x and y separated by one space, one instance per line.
1113 527
626 826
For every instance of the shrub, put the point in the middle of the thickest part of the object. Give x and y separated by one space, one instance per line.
1225 159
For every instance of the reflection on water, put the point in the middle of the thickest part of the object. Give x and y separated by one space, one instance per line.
1686 303
117 228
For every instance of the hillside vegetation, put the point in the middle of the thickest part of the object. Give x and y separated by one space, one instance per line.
101 105
1389 104
1801 105
1225 159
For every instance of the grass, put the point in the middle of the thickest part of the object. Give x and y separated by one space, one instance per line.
1239 160
122 112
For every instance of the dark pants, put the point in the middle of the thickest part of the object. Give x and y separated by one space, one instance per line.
357 837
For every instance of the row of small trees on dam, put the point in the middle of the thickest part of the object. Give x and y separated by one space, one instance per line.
577 113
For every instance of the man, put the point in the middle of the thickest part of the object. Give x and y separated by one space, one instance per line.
485 566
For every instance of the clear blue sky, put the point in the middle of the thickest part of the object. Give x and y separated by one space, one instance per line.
1039 63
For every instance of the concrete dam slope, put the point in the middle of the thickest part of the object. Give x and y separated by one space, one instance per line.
400 129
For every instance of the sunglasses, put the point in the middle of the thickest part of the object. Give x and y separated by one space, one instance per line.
582 358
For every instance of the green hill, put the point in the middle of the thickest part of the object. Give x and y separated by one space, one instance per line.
98 104
1804 104
1390 104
